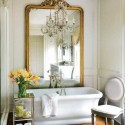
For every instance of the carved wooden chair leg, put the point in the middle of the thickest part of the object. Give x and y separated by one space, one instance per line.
122 119
112 121
106 121
93 119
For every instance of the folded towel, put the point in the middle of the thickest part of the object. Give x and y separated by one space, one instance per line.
27 124
49 104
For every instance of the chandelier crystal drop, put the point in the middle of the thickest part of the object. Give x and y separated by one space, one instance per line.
58 22
49 28
61 18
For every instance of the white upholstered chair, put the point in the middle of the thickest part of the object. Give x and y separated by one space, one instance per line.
114 91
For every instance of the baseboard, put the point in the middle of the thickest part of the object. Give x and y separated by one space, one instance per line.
4 116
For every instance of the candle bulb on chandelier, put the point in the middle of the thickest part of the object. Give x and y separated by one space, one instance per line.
66 19
73 20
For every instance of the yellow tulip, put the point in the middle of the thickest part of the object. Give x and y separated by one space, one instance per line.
11 75
27 75
15 73
35 82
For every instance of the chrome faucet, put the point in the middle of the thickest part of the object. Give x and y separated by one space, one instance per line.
60 85
52 79
63 89
56 82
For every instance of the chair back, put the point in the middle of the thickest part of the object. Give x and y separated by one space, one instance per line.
115 89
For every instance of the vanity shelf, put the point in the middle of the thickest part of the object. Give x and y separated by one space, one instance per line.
23 110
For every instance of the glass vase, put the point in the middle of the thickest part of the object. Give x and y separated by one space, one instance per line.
22 90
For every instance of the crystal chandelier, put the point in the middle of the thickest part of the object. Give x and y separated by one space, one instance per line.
59 22
49 28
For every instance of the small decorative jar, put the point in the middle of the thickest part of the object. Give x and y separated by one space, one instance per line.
19 109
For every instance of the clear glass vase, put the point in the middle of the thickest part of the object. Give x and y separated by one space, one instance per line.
22 90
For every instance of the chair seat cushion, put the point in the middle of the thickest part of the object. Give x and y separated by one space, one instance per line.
109 110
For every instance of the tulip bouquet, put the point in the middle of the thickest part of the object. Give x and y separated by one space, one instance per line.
23 78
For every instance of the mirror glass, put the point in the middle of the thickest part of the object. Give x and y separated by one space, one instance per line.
54 54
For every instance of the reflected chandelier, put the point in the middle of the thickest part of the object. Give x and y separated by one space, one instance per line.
59 22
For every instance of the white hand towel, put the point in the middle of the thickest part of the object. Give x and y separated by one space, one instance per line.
49 104
27 124
54 101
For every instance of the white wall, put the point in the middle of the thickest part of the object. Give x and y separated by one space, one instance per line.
123 36
4 54
3 59
4 63
111 40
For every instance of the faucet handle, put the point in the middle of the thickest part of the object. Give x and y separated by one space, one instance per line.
57 92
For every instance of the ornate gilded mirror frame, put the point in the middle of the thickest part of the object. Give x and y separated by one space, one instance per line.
50 4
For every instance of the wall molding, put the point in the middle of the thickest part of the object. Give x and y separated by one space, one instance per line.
106 73
90 81
103 73
4 116
90 71
98 42
123 37
5 63
90 77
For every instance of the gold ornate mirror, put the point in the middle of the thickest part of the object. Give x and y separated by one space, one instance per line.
54 34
